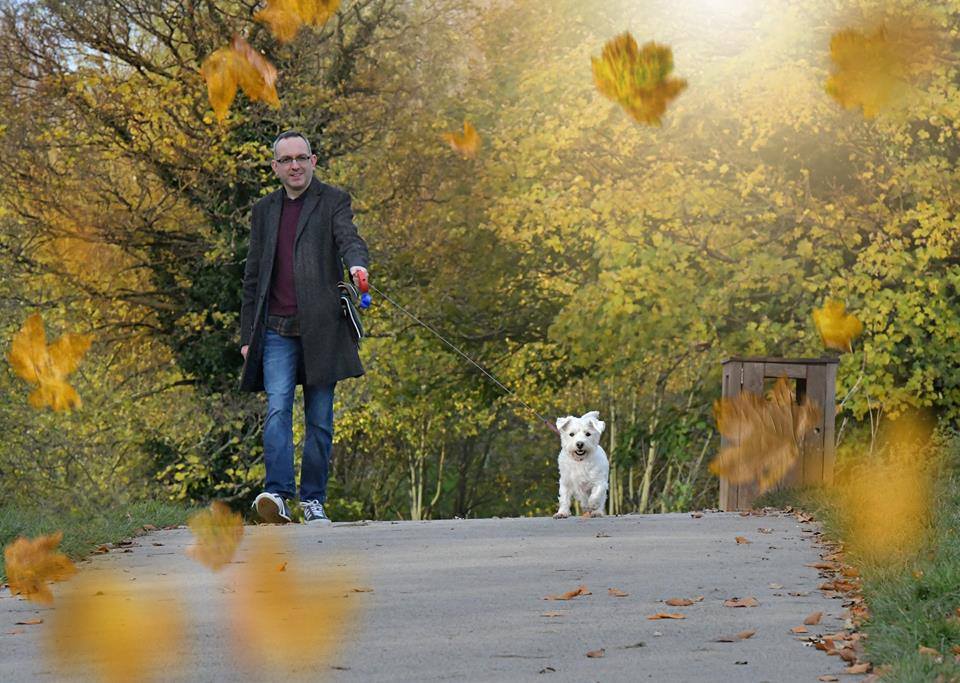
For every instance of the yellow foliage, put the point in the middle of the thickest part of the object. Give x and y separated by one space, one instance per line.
869 71
239 65
285 17
638 80
217 532
764 435
47 367
836 327
466 143
31 564
277 602
123 630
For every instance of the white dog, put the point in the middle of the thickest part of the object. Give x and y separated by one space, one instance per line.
584 469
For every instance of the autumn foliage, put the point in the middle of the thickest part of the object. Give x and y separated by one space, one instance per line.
32 564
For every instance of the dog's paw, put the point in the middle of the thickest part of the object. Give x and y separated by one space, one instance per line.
592 513
561 515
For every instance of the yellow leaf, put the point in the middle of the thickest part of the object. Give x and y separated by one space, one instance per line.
217 532
637 79
285 17
256 76
31 564
47 367
219 70
116 629
239 65
869 71
763 435
837 328
467 143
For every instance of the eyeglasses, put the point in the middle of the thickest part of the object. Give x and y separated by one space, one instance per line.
301 159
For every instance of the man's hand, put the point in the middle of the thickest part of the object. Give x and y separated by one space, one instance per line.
243 351
353 274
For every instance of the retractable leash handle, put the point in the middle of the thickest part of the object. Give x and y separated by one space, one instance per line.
364 289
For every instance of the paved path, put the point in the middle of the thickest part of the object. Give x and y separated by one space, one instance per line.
462 600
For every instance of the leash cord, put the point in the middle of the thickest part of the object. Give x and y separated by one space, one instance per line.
475 363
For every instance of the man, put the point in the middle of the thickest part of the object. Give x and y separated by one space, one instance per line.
292 330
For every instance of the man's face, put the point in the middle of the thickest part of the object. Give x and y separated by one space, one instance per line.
294 165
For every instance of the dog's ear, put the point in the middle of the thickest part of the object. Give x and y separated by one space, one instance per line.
593 418
562 422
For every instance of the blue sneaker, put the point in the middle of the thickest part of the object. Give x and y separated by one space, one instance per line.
272 508
313 512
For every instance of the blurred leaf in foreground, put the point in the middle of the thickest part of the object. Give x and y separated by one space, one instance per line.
118 629
637 79
217 533
285 17
48 366
239 65
30 564
764 434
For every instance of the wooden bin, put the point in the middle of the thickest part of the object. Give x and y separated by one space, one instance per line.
813 377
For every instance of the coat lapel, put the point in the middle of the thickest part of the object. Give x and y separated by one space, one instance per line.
309 204
271 228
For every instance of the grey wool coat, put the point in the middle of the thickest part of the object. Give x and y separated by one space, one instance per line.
326 241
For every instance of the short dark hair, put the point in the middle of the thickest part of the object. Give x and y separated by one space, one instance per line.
290 134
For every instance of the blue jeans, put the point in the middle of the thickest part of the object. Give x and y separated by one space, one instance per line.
282 356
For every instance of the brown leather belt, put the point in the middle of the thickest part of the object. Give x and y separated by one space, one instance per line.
284 326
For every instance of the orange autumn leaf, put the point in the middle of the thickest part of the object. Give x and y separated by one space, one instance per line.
741 602
47 367
241 66
813 619
285 17
594 654
858 668
799 629
763 435
217 534
667 615
837 328
638 79
31 564
742 540
269 611
743 635
679 602
122 631
569 595
466 143
617 593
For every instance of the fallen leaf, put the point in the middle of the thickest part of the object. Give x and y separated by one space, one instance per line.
861 668
47 367
679 602
217 532
813 619
742 540
765 530
595 654
362 590
638 79
553 614
466 143
775 586
827 677
29 622
837 328
666 615
763 434
743 635
741 602
617 593
282 567
569 595
924 650
799 629
832 566
31 564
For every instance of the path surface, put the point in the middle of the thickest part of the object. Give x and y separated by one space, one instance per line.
462 600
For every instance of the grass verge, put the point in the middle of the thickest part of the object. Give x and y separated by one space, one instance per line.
83 532
913 628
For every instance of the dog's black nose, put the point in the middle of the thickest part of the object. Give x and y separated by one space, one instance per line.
579 445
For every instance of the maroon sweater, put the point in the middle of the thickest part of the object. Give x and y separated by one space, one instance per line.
283 290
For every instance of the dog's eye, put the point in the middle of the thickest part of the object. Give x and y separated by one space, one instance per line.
588 433
571 433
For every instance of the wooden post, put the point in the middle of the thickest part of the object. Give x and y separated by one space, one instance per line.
814 378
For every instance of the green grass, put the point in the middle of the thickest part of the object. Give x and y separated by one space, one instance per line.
913 601
82 533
